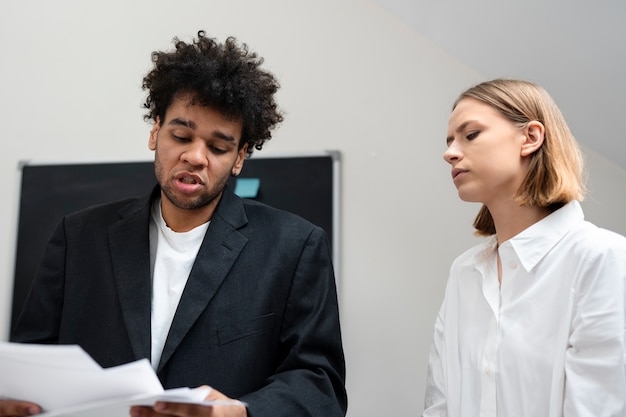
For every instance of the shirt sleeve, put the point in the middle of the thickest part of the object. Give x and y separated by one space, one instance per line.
595 373
435 398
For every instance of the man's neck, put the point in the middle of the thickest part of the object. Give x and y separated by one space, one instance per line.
183 220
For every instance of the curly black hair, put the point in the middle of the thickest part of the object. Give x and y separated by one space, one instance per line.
226 77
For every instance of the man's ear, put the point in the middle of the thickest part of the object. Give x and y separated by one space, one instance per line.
241 157
153 135
534 133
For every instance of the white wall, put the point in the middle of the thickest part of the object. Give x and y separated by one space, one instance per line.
354 78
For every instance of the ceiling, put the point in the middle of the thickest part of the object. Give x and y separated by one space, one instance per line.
576 49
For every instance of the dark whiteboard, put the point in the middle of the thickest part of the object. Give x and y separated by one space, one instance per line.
303 184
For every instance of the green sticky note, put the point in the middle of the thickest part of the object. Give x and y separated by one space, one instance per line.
247 187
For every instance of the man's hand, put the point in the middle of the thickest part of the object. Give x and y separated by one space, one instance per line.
12 408
161 409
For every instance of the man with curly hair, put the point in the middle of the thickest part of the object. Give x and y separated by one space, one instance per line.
213 289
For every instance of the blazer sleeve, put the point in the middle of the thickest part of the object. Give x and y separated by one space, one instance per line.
40 316
310 380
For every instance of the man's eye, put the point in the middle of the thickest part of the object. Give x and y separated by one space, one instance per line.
217 150
472 135
180 138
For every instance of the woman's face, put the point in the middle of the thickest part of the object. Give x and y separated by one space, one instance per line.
485 153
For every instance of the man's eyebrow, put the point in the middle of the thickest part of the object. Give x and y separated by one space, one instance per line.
192 125
224 136
182 122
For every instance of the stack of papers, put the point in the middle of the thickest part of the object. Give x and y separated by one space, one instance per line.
65 381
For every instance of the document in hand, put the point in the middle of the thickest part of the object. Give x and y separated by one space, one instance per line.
65 381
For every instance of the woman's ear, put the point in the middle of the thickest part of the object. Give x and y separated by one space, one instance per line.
534 133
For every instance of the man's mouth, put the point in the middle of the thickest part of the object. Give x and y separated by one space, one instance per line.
186 180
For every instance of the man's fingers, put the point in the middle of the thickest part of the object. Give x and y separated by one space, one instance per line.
170 409
143 411
18 408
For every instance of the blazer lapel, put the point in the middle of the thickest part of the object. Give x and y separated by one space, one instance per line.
219 251
130 255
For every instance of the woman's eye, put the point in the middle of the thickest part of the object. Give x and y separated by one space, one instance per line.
472 135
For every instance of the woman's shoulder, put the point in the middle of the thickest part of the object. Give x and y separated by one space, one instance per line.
587 236
475 253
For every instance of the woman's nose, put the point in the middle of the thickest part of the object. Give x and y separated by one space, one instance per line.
452 153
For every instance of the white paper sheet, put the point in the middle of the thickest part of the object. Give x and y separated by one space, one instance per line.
66 382
120 407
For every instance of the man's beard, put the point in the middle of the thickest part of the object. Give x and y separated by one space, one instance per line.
189 203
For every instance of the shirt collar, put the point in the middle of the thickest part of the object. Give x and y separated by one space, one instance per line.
532 244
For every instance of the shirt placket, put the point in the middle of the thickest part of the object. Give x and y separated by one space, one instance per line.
491 292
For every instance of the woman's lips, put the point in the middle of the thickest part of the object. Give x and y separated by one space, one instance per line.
457 173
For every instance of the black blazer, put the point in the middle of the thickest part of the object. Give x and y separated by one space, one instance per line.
258 319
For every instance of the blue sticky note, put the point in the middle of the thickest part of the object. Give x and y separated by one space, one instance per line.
247 187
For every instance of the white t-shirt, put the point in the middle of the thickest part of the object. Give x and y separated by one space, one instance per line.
172 255
549 341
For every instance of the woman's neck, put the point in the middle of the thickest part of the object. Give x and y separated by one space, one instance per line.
510 218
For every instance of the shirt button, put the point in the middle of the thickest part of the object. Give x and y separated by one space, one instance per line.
512 264
488 371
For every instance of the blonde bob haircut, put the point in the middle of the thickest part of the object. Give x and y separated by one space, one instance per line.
556 171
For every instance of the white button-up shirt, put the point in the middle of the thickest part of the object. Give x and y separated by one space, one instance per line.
549 341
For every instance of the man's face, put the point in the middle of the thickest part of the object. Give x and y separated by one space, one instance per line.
196 150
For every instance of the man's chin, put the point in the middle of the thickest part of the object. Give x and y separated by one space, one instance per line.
190 203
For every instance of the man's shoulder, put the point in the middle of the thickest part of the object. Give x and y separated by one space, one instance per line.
108 211
257 211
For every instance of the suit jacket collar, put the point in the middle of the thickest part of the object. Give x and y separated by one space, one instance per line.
129 244
130 253
218 252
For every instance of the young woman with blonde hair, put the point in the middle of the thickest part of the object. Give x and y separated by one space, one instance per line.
533 319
